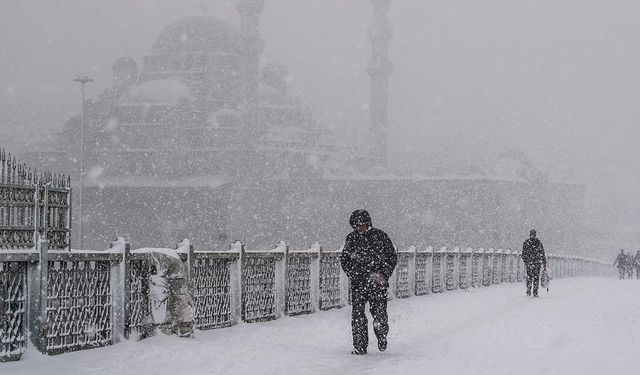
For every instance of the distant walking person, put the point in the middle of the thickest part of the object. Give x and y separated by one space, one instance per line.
636 264
630 265
533 257
368 258
621 263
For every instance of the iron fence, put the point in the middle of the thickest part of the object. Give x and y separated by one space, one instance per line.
438 267
465 268
260 287
423 271
72 300
33 204
138 308
12 310
404 278
87 299
213 290
331 281
79 305
302 281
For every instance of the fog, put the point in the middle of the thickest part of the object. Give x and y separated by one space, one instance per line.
472 79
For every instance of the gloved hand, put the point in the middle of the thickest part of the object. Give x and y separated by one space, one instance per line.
378 279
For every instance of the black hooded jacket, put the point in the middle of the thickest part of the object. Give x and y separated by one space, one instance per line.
533 252
367 253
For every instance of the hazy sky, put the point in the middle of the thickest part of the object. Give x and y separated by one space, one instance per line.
559 80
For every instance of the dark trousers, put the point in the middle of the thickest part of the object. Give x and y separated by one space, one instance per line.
533 277
377 299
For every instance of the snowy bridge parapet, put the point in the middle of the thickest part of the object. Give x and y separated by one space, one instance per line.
76 300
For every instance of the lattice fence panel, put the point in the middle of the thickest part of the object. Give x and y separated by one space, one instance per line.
437 273
212 292
464 271
298 299
519 269
487 276
259 289
476 277
423 278
497 269
79 305
403 284
511 268
504 274
55 216
329 281
12 310
17 210
139 308
450 272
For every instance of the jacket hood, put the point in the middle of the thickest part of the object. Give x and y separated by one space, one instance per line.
359 217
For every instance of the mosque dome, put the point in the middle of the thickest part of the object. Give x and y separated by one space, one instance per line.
125 64
198 34
125 72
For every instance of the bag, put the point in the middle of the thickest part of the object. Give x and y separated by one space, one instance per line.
376 287
544 279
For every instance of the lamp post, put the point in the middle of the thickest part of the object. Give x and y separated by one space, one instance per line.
82 80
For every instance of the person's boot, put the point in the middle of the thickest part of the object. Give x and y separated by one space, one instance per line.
382 343
357 351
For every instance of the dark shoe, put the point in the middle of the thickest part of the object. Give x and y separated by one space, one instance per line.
535 295
529 293
359 351
382 344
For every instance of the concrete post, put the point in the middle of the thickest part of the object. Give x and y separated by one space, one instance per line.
315 277
236 280
281 278
37 275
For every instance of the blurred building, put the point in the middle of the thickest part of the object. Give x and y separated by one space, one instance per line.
199 142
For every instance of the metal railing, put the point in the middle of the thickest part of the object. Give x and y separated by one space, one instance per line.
32 204
87 299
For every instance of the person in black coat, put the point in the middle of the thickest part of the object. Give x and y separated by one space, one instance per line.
533 257
621 263
368 258
630 261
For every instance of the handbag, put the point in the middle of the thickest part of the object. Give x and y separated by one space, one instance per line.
544 279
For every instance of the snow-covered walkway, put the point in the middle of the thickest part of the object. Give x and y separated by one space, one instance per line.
584 326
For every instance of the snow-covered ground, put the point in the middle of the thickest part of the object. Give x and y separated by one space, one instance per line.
583 326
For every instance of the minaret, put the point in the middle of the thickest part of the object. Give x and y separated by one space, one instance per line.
250 11
380 69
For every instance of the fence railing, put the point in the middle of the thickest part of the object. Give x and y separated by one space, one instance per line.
66 301
33 204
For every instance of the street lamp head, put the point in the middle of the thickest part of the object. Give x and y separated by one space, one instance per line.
83 79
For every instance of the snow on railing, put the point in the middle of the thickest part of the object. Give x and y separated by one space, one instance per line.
114 288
